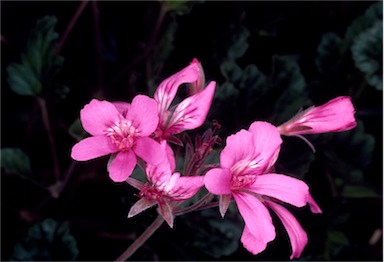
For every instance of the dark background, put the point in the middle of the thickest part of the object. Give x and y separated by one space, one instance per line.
114 52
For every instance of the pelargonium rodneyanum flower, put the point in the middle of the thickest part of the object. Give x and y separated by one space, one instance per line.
122 130
334 116
189 113
164 187
245 174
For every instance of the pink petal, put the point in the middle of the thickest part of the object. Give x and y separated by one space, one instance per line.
186 187
296 233
252 243
334 116
239 147
143 114
149 150
98 115
192 111
267 141
121 167
92 147
287 189
170 156
256 217
140 206
197 86
122 107
313 205
218 181
167 89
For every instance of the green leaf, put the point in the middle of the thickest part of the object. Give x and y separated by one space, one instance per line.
288 85
328 53
347 153
14 160
231 71
47 240
225 91
76 130
367 52
39 63
239 43
358 192
215 236
373 14
335 241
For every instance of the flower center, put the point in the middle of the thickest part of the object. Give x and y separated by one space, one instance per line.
123 134
150 192
244 173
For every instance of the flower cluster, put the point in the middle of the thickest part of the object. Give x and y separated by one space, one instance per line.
144 128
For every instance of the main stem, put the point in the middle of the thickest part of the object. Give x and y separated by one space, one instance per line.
141 239
47 125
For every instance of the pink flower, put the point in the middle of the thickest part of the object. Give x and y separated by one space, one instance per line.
165 188
246 163
122 129
334 116
189 113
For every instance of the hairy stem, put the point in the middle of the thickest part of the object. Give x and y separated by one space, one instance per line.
71 23
141 239
47 126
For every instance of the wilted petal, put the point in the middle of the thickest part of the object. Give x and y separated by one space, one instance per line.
143 114
285 188
192 111
149 150
334 116
218 181
121 167
97 116
167 89
256 217
92 147
140 206
296 233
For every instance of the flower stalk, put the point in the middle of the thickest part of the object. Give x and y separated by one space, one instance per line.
141 239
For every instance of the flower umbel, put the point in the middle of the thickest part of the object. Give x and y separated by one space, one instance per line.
245 174
164 187
122 130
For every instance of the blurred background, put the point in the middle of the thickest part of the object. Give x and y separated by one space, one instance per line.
270 59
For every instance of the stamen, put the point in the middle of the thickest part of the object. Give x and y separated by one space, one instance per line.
122 134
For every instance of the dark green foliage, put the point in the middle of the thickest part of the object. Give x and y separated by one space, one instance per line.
47 240
76 130
367 52
328 58
214 235
39 63
288 82
14 160
348 153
